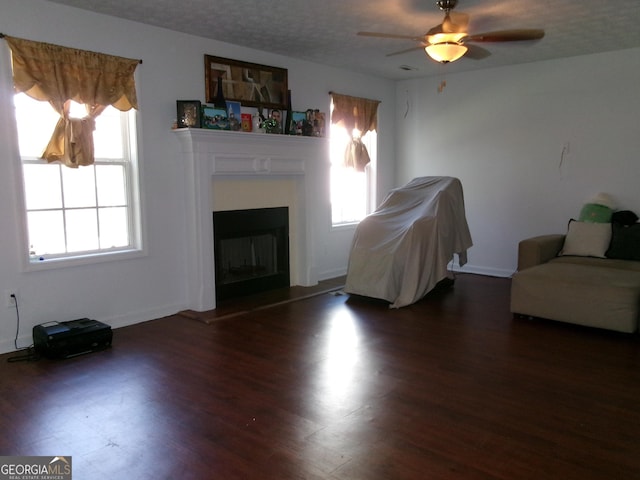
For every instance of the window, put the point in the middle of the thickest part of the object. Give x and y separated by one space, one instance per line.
350 189
84 211
353 157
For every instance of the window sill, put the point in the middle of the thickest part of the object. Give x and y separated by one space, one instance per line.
337 227
36 265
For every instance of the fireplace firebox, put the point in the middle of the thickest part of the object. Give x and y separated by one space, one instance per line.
251 251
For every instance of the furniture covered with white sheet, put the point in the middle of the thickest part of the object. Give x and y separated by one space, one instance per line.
402 250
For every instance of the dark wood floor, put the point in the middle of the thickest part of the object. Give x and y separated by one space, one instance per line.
238 306
338 387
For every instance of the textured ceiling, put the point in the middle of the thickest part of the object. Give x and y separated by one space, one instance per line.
324 31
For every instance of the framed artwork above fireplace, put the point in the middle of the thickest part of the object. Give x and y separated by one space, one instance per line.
251 84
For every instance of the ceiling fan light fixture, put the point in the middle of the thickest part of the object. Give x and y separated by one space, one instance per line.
445 52
443 37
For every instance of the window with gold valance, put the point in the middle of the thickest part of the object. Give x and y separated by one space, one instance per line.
88 100
60 75
359 115
354 123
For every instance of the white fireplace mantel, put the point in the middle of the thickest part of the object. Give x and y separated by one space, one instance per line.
209 154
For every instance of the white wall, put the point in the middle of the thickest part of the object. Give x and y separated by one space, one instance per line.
502 132
130 291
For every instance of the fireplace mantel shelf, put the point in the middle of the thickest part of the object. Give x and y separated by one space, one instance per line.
208 154
243 153
205 134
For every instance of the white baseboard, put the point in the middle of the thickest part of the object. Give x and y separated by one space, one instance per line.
329 274
481 270
453 266
26 339
142 316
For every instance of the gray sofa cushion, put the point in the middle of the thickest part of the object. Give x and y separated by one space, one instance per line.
599 262
580 290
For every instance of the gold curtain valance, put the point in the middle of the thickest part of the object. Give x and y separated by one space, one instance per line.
56 74
59 75
354 112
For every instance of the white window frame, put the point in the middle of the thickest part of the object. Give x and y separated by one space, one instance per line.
133 192
370 141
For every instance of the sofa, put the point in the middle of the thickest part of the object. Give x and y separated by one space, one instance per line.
589 276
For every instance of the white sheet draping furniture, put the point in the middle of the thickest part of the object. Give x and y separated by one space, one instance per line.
401 251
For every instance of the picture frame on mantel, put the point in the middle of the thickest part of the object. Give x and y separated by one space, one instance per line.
214 118
188 113
251 84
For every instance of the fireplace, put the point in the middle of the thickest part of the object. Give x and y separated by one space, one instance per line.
214 157
251 251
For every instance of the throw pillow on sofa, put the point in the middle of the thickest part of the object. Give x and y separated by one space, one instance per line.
599 209
624 217
586 239
594 213
625 242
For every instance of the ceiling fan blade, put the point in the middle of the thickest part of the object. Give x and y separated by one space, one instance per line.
390 35
476 52
516 35
435 30
455 22
407 50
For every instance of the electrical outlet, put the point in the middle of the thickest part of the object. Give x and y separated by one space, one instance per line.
10 298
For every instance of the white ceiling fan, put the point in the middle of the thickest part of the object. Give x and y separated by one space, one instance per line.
450 40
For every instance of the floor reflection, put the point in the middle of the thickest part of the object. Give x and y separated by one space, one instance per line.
342 356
